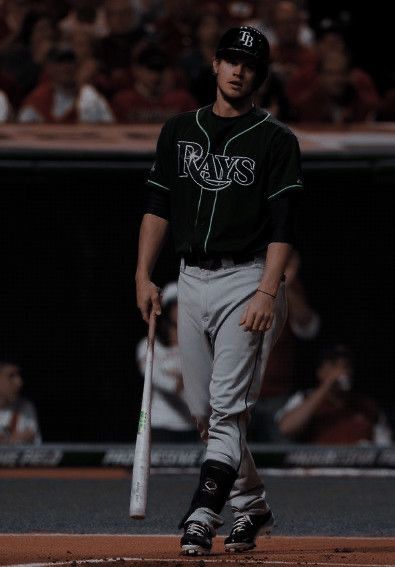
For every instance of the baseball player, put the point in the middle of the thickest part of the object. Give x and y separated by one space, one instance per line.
225 179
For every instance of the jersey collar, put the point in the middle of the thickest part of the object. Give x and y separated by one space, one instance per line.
246 121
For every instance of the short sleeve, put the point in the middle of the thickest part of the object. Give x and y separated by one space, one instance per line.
160 174
141 354
292 403
28 420
285 172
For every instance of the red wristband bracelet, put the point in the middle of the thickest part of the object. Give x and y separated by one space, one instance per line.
267 293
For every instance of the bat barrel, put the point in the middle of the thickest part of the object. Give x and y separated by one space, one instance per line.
142 453
141 466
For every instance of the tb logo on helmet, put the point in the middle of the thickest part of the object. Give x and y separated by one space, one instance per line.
246 38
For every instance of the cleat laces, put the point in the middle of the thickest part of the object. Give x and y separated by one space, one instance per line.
196 529
241 523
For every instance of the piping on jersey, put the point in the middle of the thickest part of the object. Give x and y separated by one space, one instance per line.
208 149
158 184
211 221
225 148
284 189
244 131
198 209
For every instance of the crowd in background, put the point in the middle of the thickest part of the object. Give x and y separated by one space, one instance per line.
135 61
138 61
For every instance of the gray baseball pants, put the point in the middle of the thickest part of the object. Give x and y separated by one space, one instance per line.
223 367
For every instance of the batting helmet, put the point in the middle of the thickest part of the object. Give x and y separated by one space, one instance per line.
247 41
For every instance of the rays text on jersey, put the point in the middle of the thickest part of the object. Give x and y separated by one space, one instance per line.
213 172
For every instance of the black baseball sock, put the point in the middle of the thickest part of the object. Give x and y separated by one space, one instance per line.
215 484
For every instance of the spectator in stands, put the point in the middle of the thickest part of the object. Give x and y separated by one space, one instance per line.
85 49
331 41
6 112
236 12
272 96
198 62
334 96
86 16
289 54
330 38
125 39
148 11
150 100
62 99
56 10
386 110
12 15
263 18
25 57
170 417
302 326
10 88
332 412
174 28
18 418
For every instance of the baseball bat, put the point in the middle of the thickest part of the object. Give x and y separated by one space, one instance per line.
142 452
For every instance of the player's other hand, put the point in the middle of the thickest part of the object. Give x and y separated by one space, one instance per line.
148 298
259 313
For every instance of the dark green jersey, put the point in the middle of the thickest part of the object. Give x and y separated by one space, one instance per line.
227 180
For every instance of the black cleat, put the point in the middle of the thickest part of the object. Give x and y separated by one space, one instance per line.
196 539
246 529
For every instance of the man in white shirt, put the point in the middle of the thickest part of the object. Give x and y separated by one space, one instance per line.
61 99
170 417
18 418
5 108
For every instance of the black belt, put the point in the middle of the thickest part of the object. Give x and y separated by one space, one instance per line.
211 262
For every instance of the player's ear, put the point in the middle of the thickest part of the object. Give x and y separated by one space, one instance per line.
215 66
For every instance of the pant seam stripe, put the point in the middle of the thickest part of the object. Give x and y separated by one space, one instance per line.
246 396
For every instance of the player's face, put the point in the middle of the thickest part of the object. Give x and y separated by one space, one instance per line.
236 76
10 383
